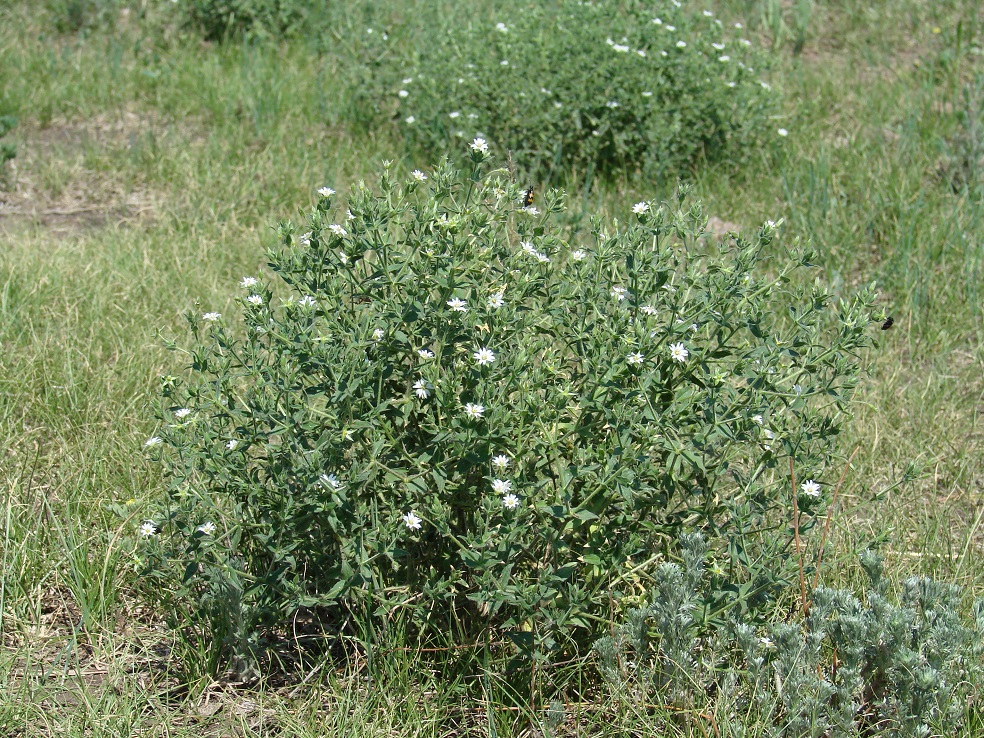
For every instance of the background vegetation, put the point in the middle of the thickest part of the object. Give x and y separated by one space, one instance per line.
150 167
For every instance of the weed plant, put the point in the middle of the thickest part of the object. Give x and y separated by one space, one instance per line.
600 88
455 414
7 150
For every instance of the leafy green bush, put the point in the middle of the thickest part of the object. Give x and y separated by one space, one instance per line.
219 19
591 86
7 150
851 668
456 414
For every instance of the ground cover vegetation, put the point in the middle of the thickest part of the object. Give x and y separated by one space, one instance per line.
156 149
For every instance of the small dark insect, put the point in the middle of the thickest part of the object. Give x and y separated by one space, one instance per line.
888 323
528 197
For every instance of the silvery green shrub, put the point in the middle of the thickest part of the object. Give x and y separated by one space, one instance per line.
591 87
851 667
441 408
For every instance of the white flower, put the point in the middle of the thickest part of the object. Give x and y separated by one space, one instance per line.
347 434
474 411
484 356
454 114
611 104
765 85
757 419
641 52
233 444
647 93
337 230
719 47
681 44
708 14
207 528
766 642
248 282
797 389
412 520
458 305
648 309
620 48
768 434
619 293
678 352
542 258
500 462
147 528
510 501
635 358
726 58
348 215
403 93
782 132
154 441
377 335
528 247
671 28
307 301
425 353
810 488
409 119
501 486
497 300
479 145
254 300
578 255
408 80
531 210
326 191
640 207
501 27
211 316
504 63
418 175
182 413
421 389
330 480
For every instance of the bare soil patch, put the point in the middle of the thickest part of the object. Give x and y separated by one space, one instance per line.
55 183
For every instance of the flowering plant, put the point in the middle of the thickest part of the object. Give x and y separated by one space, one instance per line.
591 86
447 409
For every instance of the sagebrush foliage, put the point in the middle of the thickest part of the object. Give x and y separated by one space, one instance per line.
852 667
446 409
585 87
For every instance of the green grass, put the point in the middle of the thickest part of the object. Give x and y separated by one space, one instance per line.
150 170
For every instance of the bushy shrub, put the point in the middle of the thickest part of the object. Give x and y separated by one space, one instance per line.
446 409
850 668
601 87
219 19
7 150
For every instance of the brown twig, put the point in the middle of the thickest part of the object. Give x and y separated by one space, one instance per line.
830 512
796 537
